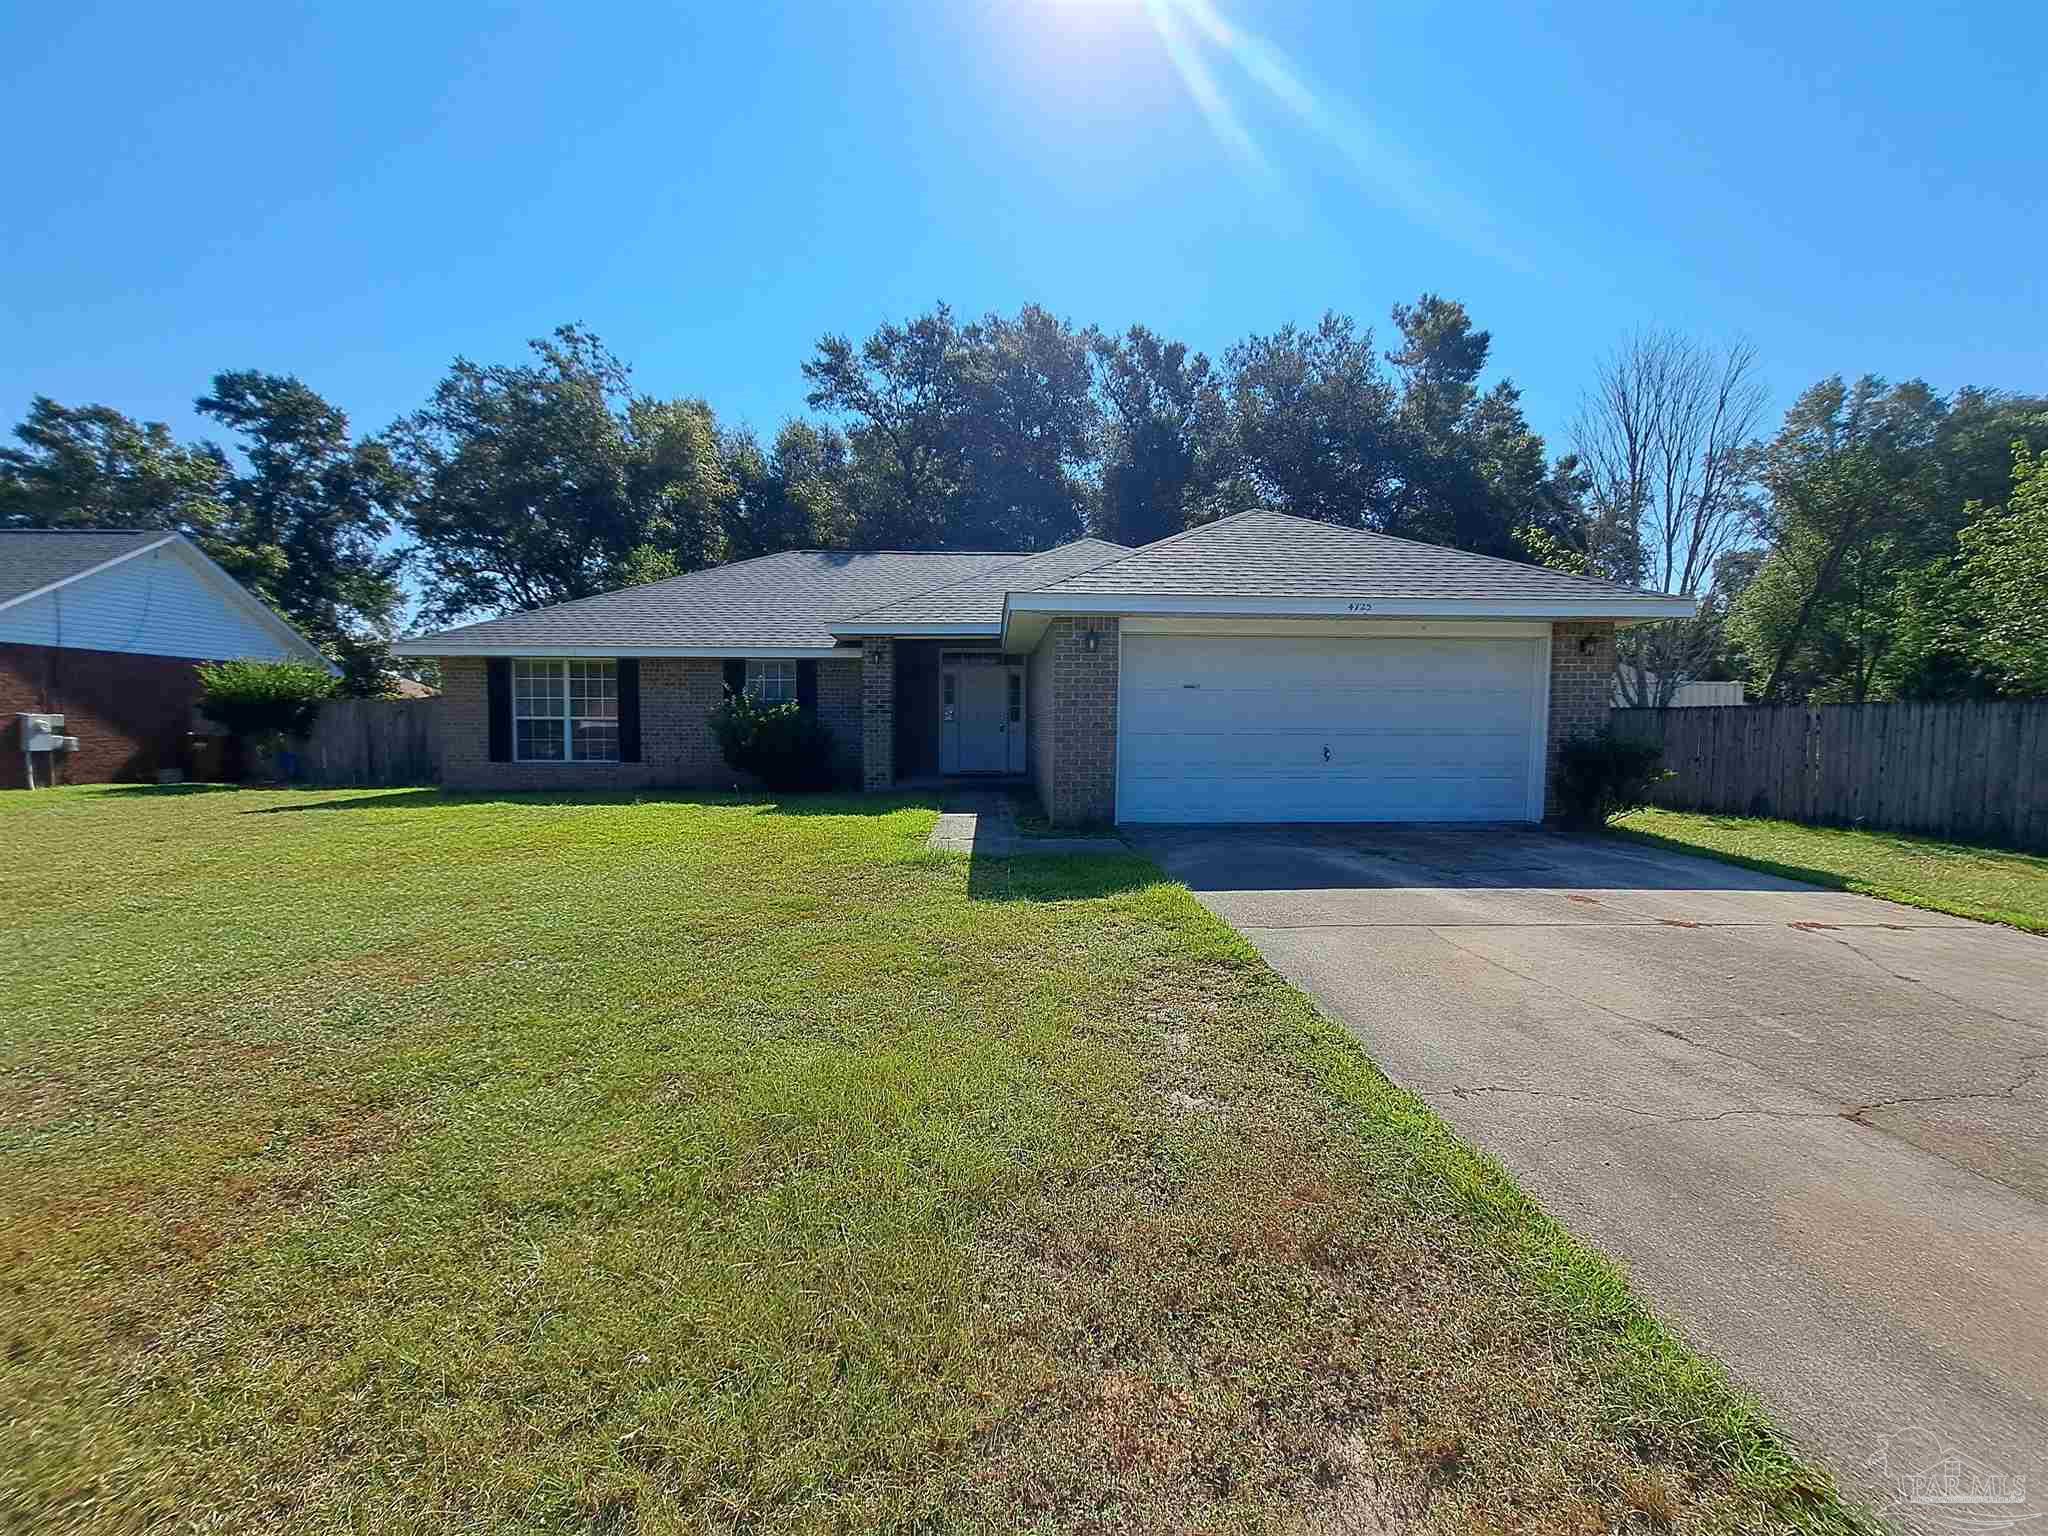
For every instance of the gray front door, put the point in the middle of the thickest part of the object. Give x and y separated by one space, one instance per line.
977 702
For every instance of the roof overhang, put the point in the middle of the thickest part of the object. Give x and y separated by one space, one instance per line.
1026 614
427 645
919 631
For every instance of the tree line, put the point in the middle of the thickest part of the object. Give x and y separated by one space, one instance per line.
1877 545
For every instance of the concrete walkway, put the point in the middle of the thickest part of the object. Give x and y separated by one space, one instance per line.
984 823
1814 1126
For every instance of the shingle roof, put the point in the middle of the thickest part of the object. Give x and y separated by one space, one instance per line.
979 599
1273 554
34 558
787 601
800 599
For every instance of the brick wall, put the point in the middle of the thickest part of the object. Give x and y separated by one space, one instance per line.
1038 721
1581 690
1077 720
839 708
878 714
677 749
130 713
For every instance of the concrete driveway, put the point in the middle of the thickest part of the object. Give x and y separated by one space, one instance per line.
1813 1126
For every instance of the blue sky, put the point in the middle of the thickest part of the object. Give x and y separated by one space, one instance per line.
355 192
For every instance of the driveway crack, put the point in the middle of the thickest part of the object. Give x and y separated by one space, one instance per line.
1461 1090
1613 1013
2010 1090
1921 981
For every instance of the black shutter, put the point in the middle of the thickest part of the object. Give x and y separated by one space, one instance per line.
807 687
735 678
498 694
629 709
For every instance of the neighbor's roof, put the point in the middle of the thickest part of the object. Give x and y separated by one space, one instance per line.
784 602
977 601
1275 555
33 560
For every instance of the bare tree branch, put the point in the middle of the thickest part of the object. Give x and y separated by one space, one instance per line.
1663 434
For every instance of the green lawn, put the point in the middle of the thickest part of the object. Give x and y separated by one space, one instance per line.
388 1161
1992 884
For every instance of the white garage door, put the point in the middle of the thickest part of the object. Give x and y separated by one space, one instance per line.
1274 728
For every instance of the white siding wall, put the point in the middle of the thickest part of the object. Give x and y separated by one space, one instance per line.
153 605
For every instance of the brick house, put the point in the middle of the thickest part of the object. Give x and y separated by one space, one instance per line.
1259 668
108 629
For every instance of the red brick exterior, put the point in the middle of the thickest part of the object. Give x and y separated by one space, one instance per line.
840 696
677 749
1072 710
878 714
131 714
1074 698
1581 691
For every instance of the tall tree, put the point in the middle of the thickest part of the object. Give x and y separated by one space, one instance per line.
93 467
975 436
1850 483
1165 443
792 496
1323 430
306 519
1445 496
678 488
1973 622
1664 434
1314 416
549 480
903 393
1031 433
2005 568
1868 487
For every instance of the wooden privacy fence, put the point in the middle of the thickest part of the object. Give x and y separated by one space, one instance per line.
1976 771
374 742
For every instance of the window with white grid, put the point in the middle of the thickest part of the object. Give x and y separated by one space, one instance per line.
565 711
771 681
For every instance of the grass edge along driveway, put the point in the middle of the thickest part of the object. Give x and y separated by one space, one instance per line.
420 1162
1991 885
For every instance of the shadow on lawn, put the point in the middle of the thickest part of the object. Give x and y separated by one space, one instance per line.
1028 876
1827 879
161 791
422 797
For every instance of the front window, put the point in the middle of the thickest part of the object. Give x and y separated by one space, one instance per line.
565 711
771 682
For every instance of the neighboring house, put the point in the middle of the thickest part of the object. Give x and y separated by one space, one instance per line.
1259 668
108 630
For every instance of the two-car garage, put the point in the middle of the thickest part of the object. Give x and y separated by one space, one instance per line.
1430 722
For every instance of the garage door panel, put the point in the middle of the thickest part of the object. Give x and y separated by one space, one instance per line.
1419 800
1293 708
1233 728
1389 674
1203 753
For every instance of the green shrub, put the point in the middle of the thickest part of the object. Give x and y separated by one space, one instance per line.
779 744
264 702
1601 775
